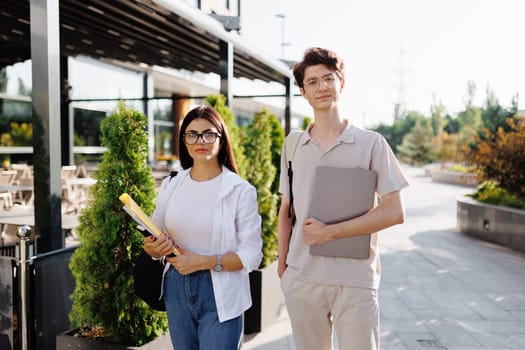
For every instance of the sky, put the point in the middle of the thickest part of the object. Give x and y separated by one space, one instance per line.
419 52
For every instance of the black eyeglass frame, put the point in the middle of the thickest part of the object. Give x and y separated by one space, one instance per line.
202 137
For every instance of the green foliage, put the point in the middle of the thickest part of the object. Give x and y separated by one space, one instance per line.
494 116
437 111
445 147
219 103
22 134
6 140
460 168
260 172
3 79
491 192
416 147
277 135
102 265
306 122
395 133
471 117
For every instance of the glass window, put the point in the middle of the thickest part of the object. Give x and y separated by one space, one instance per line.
87 127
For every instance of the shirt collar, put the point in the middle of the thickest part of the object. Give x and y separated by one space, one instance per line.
347 136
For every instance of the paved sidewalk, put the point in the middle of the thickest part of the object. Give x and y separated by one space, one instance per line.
440 289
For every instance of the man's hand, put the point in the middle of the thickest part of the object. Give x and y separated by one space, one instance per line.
315 232
281 267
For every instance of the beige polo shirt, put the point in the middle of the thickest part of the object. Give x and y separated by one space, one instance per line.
355 147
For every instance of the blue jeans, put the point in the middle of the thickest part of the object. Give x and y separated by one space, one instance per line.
192 314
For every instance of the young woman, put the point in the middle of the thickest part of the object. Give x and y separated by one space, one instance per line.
211 214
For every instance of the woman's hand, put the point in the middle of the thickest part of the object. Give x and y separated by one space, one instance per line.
189 262
159 247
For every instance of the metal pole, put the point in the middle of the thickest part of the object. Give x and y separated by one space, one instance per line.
23 233
282 16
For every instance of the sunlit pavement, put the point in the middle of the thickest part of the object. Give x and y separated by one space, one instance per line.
440 289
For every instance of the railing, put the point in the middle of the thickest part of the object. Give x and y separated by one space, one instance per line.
23 262
35 288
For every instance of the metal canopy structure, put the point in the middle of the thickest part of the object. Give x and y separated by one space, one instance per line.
136 31
165 33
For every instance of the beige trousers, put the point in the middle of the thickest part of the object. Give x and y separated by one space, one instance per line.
316 309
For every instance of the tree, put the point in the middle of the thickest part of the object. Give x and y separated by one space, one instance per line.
445 147
104 300
277 136
416 147
471 117
3 79
437 111
260 172
22 89
219 103
394 134
495 116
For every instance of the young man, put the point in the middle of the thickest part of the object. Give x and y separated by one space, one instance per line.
322 291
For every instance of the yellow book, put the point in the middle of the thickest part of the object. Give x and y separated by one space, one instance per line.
136 212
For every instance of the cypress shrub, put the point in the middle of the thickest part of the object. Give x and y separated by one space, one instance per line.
104 301
260 172
277 135
219 103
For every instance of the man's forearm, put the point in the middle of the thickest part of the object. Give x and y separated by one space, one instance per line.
389 213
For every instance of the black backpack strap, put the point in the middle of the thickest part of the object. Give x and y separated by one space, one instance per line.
294 138
173 174
291 212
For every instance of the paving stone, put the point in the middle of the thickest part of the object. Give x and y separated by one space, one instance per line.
490 340
520 339
391 340
440 289
450 333
494 327
418 341
507 301
394 308
405 326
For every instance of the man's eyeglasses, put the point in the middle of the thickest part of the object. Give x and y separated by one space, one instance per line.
192 138
314 83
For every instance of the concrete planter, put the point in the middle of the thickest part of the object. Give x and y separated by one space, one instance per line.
465 179
68 341
493 223
267 298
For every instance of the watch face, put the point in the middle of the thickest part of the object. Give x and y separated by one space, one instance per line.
218 266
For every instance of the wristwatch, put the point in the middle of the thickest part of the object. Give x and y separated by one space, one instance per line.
218 266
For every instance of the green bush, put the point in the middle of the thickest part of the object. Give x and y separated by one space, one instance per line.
104 300
277 136
261 173
500 157
491 192
219 103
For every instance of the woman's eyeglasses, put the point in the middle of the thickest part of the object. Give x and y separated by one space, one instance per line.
192 138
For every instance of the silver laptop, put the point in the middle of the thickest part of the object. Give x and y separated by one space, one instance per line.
340 194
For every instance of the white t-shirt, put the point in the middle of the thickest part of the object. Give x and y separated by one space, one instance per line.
189 214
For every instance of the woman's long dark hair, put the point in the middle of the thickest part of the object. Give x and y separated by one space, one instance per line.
225 155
